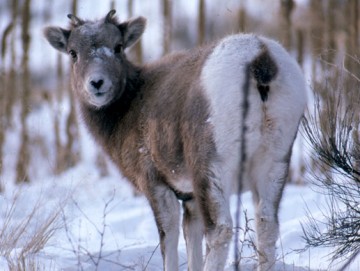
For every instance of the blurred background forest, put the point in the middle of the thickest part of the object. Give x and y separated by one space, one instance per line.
39 126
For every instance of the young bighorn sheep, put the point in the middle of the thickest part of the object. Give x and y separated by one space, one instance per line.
173 127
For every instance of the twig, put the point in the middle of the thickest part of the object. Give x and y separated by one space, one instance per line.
152 255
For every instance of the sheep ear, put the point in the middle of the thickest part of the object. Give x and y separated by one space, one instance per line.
132 30
57 37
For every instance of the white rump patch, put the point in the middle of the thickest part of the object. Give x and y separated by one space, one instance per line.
271 127
223 77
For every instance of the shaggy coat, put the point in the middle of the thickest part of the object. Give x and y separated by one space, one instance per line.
174 128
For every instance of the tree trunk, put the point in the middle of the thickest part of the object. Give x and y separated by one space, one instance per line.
287 7
352 36
242 19
2 121
68 153
10 82
300 46
112 4
201 23
316 33
167 15
72 153
59 164
23 161
330 49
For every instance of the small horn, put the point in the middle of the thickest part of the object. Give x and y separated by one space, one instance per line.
75 20
110 15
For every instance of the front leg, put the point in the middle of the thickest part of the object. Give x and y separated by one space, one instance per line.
166 209
214 206
193 227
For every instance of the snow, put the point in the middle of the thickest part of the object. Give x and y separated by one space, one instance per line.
103 225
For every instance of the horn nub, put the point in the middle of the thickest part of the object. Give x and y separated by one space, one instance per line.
75 20
110 15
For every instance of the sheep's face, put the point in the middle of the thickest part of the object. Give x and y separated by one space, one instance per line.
97 51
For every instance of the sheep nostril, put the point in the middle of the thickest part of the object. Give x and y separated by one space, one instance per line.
97 84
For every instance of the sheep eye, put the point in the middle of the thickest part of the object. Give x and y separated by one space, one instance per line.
73 54
118 49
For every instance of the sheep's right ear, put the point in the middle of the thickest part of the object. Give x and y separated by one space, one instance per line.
57 37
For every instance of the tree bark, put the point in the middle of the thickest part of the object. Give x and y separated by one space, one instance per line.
22 167
68 153
10 82
57 118
72 153
242 19
167 16
201 23
287 7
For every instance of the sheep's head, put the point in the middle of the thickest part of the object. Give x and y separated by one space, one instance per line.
96 48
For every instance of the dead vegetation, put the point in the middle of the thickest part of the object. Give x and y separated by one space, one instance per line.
331 129
22 239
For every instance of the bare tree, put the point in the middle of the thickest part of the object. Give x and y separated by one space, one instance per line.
67 153
2 122
10 82
300 46
201 23
242 17
316 32
167 15
287 7
24 154
57 117
331 17
352 36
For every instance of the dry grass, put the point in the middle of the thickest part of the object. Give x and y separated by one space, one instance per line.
246 241
24 234
85 255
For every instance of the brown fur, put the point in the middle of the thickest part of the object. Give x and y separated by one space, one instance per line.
153 134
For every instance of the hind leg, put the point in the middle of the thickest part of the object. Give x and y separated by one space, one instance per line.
270 177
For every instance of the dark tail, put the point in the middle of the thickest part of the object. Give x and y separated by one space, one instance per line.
264 70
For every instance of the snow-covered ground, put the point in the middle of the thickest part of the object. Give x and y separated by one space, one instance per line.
99 223
103 216
102 225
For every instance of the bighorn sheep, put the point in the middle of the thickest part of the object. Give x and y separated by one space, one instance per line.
173 128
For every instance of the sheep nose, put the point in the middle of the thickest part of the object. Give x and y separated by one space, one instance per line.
97 83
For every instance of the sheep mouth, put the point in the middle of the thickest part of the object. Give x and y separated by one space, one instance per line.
99 94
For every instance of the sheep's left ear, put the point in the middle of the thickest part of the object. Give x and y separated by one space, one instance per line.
132 30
